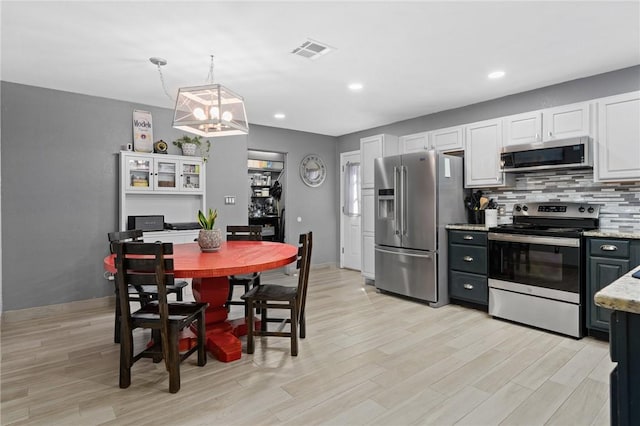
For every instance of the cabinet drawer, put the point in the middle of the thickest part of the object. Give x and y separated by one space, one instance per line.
466 237
469 287
609 248
468 258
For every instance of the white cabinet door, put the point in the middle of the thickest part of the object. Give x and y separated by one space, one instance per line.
414 143
448 139
522 128
372 148
618 145
566 121
368 234
482 154
138 173
166 173
368 256
368 211
192 175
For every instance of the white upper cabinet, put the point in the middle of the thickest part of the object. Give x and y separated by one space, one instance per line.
566 121
482 155
414 143
371 148
448 139
618 145
561 122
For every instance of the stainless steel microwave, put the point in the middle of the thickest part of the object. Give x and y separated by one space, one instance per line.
560 154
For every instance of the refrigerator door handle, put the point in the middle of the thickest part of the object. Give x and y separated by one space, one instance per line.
396 197
405 192
403 253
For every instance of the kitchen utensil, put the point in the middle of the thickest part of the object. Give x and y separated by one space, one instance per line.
484 203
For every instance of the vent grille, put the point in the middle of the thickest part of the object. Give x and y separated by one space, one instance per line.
312 49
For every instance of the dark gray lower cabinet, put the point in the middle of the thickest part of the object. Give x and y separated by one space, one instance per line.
625 377
607 260
468 266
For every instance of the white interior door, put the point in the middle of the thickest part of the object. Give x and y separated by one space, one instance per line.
350 210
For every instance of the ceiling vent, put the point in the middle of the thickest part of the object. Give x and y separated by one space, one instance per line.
312 49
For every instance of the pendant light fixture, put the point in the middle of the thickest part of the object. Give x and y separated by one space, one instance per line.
209 110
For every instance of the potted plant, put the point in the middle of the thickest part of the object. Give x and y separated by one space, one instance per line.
209 238
189 144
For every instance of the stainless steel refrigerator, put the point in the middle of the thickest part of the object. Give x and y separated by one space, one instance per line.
416 196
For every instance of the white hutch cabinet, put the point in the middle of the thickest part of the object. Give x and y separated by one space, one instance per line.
158 184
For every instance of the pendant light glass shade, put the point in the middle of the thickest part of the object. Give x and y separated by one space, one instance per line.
209 111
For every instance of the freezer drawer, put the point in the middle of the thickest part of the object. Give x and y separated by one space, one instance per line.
411 273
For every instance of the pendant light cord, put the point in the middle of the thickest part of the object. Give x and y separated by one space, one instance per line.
159 62
210 75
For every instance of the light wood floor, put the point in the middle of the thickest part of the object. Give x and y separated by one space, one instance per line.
368 358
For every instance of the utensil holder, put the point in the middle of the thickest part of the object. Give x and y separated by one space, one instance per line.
476 216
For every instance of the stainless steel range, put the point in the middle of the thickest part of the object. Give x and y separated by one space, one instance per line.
536 266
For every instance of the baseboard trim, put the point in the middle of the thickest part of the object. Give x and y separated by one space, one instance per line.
40 312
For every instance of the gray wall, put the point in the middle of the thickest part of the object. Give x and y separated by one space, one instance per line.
612 83
60 188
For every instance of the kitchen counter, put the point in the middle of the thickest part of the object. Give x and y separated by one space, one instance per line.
468 227
612 233
621 295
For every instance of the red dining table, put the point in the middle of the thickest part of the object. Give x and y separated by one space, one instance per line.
210 283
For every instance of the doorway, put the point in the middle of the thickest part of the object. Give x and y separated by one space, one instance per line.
266 193
350 211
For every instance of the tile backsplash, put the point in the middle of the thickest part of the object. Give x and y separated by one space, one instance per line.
620 201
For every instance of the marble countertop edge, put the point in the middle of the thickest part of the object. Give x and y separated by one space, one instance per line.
621 295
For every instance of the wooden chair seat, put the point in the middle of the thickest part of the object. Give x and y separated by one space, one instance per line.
163 318
267 297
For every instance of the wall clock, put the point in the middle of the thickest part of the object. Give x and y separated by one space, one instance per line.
312 170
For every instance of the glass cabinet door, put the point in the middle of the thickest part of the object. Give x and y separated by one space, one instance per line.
191 175
166 174
139 174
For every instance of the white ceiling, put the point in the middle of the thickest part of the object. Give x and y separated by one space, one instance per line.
414 58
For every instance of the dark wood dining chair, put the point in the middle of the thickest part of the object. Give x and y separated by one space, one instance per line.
143 294
272 296
145 264
247 281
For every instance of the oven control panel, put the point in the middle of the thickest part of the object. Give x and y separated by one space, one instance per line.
559 210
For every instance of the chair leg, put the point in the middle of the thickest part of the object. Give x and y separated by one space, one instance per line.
303 326
250 327
116 323
179 295
126 359
263 316
173 363
202 338
294 328
156 337
229 297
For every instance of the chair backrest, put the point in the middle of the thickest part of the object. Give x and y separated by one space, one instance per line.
304 264
122 236
244 233
144 264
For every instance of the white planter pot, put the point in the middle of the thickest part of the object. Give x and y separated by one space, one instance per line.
189 149
210 239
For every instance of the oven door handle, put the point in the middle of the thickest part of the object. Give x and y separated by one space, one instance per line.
535 239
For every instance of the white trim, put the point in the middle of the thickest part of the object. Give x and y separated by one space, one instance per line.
341 206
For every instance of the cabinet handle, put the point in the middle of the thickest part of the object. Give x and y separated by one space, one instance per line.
608 247
550 134
468 259
468 286
537 137
468 237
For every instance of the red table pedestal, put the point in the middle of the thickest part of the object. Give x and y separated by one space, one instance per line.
222 334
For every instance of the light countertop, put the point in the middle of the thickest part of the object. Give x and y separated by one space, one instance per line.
621 295
612 233
467 227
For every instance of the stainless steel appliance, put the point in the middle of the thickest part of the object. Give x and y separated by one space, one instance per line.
416 195
567 153
536 266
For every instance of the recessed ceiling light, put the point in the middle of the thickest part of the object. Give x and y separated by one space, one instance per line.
279 115
354 87
496 74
